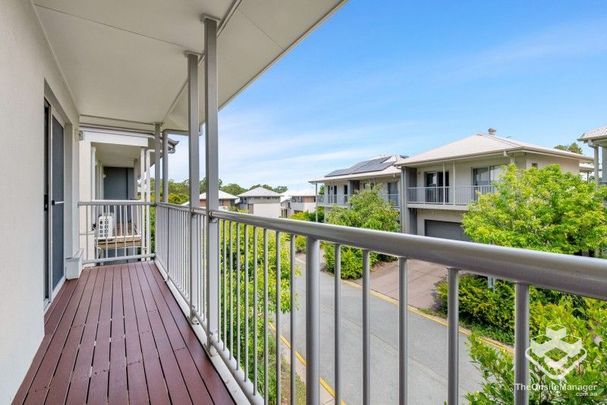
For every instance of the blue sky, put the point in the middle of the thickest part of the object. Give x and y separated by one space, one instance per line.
403 77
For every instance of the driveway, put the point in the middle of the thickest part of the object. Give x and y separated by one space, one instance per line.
427 345
422 280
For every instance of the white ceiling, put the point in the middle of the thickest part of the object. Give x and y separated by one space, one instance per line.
124 60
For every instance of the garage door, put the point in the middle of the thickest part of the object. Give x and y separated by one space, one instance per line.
445 230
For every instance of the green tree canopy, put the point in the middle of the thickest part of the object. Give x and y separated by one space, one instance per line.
367 210
573 147
540 209
233 189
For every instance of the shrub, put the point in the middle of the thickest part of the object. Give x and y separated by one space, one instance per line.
368 210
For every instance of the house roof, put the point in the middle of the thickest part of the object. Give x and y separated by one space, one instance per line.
124 64
376 167
596 133
483 144
259 192
222 196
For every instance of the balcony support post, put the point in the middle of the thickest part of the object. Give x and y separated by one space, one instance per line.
212 173
603 162
157 163
165 167
596 163
194 158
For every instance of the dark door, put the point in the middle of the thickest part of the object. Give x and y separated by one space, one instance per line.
445 230
46 202
57 206
118 183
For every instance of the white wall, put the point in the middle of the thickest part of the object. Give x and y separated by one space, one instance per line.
436 215
269 210
25 64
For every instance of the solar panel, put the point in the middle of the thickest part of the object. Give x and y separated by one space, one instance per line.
372 165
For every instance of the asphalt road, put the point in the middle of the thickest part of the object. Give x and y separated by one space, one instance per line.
427 343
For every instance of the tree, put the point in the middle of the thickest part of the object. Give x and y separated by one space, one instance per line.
233 188
367 210
540 209
573 147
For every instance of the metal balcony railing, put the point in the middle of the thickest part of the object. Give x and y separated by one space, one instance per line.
236 299
344 199
249 288
115 230
451 195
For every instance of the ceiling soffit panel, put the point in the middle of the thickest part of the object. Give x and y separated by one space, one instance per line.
176 21
124 59
113 73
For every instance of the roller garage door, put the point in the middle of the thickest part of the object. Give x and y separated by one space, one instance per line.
445 230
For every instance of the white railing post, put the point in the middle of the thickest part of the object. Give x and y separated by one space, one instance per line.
521 342
313 321
193 131
212 173
453 332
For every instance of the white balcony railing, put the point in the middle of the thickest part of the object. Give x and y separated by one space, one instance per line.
115 230
241 292
344 199
233 297
451 195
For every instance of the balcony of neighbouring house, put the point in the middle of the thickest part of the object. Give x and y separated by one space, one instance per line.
343 200
452 197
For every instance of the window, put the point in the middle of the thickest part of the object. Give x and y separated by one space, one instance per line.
534 164
484 176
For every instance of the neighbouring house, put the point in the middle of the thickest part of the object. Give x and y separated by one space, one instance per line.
440 183
341 184
115 165
293 202
260 201
227 201
597 140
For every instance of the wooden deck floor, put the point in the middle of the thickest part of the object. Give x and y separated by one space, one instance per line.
116 335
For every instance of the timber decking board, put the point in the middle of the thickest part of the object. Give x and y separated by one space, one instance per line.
117 336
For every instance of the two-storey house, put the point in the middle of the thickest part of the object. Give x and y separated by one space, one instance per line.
440 183
340 185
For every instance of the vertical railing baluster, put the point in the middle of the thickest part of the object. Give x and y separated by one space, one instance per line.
292 317
366 331
265 316
246 301
238 295
255 322
337 327
453 331
312 321
403 331
225 286
521 342
277 311
231 291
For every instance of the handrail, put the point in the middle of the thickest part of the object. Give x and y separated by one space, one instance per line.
113 202
573 274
